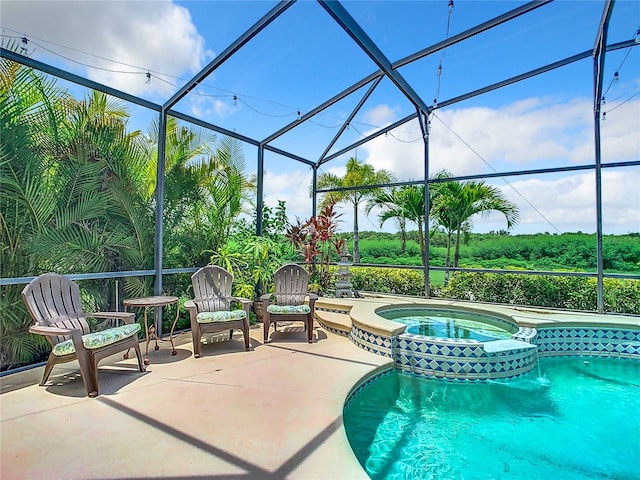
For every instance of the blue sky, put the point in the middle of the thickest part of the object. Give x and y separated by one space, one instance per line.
303 59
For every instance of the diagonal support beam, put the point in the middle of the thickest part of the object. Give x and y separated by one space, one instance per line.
349 118
336 98
355 31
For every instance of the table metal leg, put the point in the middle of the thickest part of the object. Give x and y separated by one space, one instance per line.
156 326
147 337
173 348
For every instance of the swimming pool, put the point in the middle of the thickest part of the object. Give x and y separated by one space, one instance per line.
450 323
573 418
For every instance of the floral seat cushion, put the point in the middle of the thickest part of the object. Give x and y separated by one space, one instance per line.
289 309
221 316
98 339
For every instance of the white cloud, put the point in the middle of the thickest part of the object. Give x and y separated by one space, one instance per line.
567 204
533 133
207 108
293 188
381 115
527 134
155 35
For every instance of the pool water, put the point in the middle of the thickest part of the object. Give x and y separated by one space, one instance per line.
450 324
578 418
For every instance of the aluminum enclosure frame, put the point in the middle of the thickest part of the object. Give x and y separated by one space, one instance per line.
339 14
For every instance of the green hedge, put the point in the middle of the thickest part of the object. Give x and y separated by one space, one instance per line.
388 280
571 293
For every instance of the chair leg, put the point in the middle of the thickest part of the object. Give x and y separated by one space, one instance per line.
310 328
89 372
266 321
139 355
195 338
245 333
230 334
48 368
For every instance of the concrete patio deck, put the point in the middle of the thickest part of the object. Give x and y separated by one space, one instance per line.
272 413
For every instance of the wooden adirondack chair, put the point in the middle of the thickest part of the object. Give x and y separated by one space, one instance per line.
288 302
210 311
53 302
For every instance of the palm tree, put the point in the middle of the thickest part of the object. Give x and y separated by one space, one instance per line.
402 204
358 175
205 190
454 203
29 104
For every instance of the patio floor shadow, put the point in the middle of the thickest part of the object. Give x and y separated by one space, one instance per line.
274 412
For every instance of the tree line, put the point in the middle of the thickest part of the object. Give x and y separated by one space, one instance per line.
543 251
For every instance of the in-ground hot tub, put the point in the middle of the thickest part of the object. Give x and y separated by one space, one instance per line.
458 344
451 323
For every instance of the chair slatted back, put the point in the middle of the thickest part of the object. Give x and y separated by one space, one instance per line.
54 300
212 289
291 283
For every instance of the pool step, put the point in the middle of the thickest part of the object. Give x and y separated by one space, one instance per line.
339 323
498 346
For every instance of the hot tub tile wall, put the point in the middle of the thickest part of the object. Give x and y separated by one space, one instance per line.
588 341
458 359
372 342
335 331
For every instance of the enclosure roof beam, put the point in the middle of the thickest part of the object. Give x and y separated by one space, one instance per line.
433 49
599 50
229 133
210 126
274 13
51 70
489 24
355 31
411 58
284 153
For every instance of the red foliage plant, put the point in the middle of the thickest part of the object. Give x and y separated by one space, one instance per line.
313 239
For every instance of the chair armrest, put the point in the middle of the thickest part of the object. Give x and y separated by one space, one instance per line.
265 299
127 317
192 308
246 304
312 300
52 331
242 300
